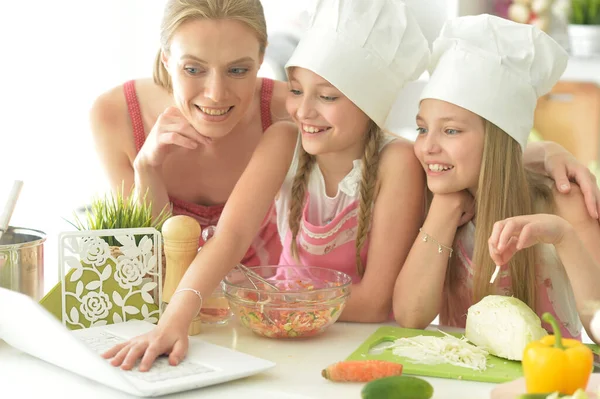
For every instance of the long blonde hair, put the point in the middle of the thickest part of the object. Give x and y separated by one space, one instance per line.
370 163
249 12
505 189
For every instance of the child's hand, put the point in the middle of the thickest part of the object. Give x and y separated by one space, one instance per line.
461 201
148 347
516 233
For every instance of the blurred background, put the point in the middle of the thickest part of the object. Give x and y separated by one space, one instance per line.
58 56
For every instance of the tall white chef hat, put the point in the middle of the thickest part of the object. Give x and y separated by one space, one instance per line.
496 69
367 49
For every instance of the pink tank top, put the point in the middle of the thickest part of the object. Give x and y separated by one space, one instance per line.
327 234
266 247
332 246
552 291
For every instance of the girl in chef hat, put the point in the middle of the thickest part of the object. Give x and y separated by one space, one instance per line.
338 202
474 118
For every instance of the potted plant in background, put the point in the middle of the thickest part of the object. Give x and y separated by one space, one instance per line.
115 211
584 28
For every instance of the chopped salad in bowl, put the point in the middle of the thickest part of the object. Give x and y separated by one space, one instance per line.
296 301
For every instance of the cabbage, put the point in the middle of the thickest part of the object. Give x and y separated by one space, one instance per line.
503 326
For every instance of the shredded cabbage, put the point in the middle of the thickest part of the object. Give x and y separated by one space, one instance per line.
503 326
448 349
579 394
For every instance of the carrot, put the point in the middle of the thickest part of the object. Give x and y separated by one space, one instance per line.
361 370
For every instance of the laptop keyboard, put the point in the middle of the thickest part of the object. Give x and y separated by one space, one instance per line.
161 370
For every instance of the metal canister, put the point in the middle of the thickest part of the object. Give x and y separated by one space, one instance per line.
22 261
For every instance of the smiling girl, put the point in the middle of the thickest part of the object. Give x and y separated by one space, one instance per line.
474 118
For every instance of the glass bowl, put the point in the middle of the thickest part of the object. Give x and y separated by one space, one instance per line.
309 299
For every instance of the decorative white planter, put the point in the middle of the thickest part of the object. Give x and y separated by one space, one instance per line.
584 40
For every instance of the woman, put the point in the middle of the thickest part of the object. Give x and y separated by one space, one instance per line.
186 136
147 131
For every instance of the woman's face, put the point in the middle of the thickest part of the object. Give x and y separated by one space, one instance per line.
329 121
449 146
213 66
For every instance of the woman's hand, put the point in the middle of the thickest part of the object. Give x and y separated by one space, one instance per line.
516 233
170 131
160 341
563 167
461 201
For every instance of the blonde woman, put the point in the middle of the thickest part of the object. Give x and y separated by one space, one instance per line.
474 118
188 133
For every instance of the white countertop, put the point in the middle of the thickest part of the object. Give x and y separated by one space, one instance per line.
297 374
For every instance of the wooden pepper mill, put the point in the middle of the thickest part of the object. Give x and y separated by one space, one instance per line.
180 244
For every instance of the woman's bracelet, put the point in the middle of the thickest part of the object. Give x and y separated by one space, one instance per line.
195 292
440 245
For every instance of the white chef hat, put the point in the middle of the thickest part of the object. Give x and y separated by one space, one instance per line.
496 69
367 49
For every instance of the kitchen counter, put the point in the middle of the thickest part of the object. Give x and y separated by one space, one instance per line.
296 376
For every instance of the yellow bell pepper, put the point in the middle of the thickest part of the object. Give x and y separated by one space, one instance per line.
554 364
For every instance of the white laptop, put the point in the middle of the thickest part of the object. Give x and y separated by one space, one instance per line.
27 326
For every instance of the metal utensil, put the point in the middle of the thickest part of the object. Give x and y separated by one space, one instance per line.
208 232
9 207
250 275
22 261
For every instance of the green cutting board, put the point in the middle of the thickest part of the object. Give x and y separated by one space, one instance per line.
498 369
